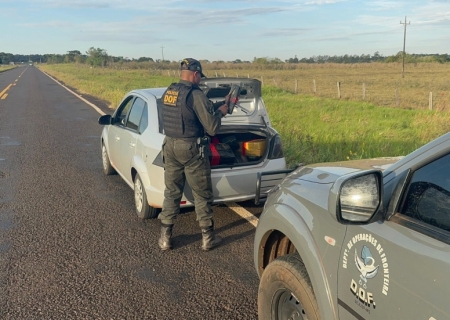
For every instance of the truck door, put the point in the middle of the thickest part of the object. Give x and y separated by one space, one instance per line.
397 269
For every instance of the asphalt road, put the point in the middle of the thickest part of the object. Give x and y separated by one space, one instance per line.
71 246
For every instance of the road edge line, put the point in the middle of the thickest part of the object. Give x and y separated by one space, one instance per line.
244 213
75 94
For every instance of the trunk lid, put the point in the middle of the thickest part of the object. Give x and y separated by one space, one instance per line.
250 109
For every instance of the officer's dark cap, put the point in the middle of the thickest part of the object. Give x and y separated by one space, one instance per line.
193 65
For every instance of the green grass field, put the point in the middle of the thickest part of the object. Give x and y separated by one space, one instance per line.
312 128
4 67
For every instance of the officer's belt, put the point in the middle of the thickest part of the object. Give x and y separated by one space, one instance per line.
185 139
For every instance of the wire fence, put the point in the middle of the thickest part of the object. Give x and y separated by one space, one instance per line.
425 86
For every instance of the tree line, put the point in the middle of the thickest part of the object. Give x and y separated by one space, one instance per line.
376 57
99 57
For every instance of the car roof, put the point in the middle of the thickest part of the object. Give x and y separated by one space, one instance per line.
150 92
250 109
214 82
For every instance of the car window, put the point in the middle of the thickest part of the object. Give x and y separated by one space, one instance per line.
122 111
428 195
144 121
135 114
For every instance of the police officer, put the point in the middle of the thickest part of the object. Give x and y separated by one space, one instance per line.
187 116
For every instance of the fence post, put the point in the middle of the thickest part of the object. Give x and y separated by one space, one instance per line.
262 81
364 91
314 86
339 89
216 74
224 74
397 100
430 101
296 85
168 73
248 75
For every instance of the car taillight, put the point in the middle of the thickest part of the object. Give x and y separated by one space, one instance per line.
276 148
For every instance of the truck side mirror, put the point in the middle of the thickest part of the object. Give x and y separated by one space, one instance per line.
356 199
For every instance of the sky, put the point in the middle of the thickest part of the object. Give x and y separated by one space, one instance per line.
224 29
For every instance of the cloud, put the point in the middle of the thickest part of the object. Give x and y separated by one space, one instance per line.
337 38
321 2
184 17
98 4
377 21
383 5
436 13
134 31
375 33
138 5
48 24
289 32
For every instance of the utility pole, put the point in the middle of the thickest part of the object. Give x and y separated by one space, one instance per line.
162 51
404 42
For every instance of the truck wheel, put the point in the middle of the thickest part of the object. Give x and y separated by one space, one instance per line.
285 291
107 167
143 210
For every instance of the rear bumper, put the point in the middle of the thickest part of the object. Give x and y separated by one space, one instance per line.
229 184
237 184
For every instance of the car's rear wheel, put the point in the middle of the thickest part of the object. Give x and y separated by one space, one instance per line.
107 167
285 291
143 210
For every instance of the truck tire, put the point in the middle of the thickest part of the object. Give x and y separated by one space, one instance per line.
143 209
285 291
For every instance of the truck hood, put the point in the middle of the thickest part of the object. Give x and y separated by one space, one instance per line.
328 172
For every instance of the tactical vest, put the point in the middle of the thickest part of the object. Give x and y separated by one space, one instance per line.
179 118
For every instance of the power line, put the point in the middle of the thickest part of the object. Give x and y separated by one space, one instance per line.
404 42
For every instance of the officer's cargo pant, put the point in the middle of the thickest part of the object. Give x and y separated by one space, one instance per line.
182 163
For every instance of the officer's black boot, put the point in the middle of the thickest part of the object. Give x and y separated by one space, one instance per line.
209 239
165 241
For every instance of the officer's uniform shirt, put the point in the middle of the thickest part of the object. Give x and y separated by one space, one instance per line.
204 110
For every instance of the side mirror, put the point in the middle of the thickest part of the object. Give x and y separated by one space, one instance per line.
356 199
105 120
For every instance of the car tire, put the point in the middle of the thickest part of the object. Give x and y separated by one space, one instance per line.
107 167
285 291
143 209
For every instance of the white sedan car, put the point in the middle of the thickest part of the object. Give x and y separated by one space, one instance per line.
245 145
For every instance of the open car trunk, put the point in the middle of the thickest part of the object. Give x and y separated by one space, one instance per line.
239 146
245 135
244 138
